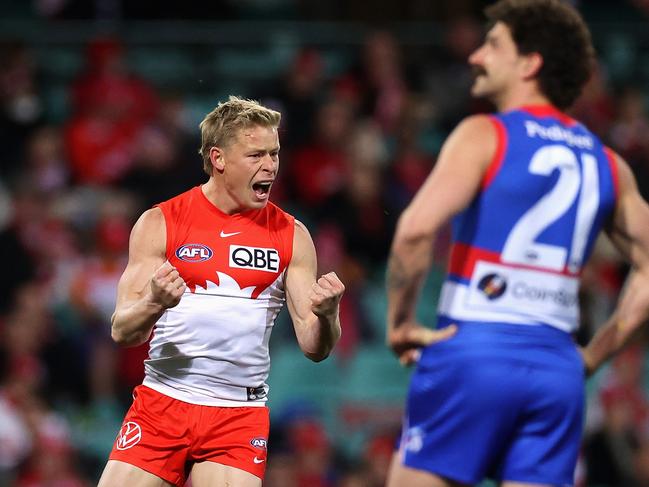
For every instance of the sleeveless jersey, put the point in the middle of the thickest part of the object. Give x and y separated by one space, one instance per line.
519 248
212 348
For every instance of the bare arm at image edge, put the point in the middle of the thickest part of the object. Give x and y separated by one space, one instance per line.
450 188
629 231
312 304
149 284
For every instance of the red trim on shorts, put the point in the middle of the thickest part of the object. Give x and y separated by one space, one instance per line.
499 156
612 163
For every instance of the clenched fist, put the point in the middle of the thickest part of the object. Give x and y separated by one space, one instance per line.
167 287
325 294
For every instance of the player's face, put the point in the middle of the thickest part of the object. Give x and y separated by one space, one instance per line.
250 164
494 64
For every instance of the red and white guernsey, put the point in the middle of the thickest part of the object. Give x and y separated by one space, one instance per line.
212 348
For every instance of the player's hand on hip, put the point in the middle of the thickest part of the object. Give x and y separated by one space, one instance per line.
407 340
167 287
325 294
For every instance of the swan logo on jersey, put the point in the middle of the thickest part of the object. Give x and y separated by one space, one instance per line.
256 258
194 253
129 436
493 286
259 443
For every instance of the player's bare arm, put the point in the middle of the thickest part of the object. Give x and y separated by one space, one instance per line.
149 284
629 231
313 304
449 189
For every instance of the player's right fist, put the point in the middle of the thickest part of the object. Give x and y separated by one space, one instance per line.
167 287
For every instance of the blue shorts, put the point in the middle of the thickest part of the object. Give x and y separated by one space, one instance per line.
499 401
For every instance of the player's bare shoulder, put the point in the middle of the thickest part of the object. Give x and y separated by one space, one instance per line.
149 233
303 247
151 218
623 173
478 124
457 175
476 133
301 231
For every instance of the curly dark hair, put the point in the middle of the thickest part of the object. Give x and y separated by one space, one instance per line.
558 33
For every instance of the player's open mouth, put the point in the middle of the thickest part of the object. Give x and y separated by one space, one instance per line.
262 188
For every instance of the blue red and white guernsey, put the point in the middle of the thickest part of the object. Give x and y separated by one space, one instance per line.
212 348
520 247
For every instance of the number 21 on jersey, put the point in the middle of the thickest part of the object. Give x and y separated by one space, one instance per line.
575 183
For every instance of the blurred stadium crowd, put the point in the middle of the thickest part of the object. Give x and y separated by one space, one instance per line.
94 131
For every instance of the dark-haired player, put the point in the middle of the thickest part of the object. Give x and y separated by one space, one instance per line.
498 390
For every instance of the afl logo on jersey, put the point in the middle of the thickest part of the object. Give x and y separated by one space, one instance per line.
194 253
493 286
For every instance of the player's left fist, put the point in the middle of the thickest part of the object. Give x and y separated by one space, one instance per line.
326 293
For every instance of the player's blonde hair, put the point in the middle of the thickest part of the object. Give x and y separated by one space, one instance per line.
220 126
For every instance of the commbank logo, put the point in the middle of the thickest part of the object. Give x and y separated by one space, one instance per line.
194 252
129 436
493 286
257 258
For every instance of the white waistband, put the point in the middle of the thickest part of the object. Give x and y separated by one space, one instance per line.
193 398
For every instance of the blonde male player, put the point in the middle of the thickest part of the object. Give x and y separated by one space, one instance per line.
208 272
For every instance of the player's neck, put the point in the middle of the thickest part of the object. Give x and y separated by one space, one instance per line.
220 198
522 98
